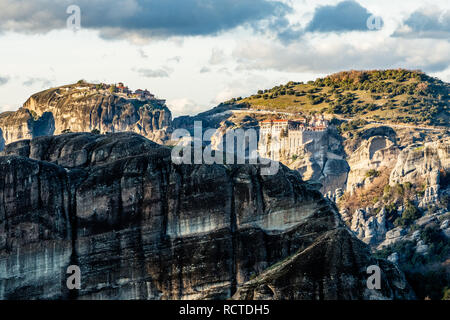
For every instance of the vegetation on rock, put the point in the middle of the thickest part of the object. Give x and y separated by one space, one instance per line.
401 96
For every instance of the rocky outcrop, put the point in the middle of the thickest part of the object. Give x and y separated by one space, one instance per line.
422 162
370 228
372 154
141 227
333 276
22 124
83 108
322 160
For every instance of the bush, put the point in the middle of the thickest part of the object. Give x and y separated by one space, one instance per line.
372 173
409 215
446 295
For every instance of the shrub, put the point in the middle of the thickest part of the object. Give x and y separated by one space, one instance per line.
372 173
446 295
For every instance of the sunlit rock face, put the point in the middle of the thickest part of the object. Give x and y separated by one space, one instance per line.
141 227
422 161
375 153
83 108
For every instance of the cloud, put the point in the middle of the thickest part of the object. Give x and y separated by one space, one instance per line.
333 54
141 19
42 82
218 56
343 17
185 106
239 87
175 59
290 34
205 70
3 80
426 23
142 53
155 73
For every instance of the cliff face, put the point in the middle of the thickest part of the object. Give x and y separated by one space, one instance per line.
141 227
406 165
422 161
321 159
330 269
83 108
377 150
20 125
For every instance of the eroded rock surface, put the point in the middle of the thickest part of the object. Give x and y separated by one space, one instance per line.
333 267
83 108
141 227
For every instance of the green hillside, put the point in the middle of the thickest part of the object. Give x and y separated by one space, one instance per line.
399 95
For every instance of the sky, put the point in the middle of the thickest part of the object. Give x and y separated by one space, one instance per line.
198 53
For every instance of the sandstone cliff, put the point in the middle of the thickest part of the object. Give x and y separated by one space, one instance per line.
141 227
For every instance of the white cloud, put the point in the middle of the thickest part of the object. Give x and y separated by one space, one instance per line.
184 106
37 82
142 53
334 53
163 72
218 56
3 80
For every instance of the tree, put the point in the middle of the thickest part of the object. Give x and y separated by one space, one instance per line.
409 215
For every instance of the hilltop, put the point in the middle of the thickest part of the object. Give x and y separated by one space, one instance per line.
86 107
395 96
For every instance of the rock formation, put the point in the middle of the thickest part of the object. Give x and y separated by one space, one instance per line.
422 162
141 227
83 108
327 273
369 228
375 153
